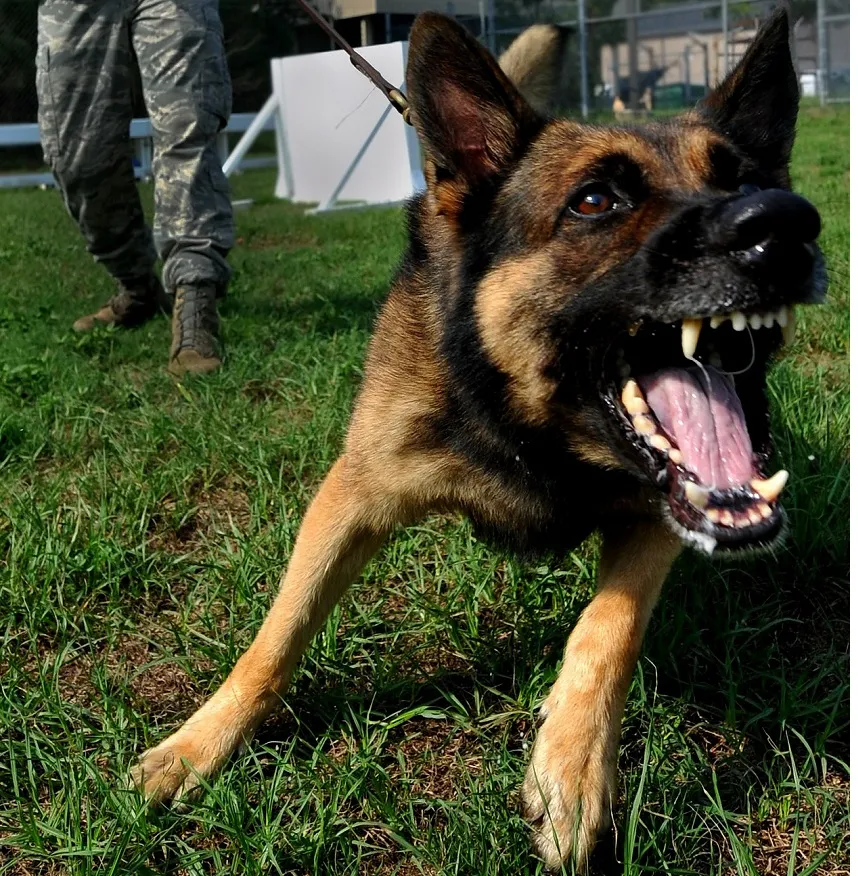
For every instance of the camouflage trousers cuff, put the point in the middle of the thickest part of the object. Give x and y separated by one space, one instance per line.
196 269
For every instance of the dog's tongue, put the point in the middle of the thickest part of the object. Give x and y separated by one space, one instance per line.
702 415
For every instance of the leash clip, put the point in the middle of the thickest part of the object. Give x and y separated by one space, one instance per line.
400 102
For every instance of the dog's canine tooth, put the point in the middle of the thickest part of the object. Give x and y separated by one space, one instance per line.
739 321
659 442
644 425
675 455
715 321
690 336
630 390
765 510
755 321
782 316
772 488
768 319
697 495
788 330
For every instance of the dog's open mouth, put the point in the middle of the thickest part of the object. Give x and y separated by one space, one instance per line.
690 397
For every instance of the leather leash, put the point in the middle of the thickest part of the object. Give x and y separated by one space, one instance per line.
397 99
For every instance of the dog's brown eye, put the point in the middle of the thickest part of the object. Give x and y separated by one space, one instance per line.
593 202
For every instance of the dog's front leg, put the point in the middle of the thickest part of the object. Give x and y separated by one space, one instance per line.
570 780
344 526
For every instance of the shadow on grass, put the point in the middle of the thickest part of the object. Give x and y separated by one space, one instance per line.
322 313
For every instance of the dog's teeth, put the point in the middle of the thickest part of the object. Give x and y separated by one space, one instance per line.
715 321
768 319
740 520
714 515
754 516
771 488
631 390
695 494
643 424
637 406
755 321
782 316
727 518
788 330
675 455
659 442
765 510
690 336
739 321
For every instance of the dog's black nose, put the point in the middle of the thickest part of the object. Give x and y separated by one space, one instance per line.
768 225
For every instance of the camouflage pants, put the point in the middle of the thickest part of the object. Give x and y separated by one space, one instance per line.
84 75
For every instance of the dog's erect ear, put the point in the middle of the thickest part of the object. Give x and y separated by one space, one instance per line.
757 104
471 119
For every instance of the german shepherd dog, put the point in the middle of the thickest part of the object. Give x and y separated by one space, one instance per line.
576 340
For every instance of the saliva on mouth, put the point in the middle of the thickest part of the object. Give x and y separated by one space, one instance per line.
687 406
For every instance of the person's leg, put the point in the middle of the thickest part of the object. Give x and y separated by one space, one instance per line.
186 84
84 87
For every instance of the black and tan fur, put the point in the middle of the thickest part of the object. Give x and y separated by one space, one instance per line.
480 394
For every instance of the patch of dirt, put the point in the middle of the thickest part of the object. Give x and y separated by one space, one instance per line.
132 665
390 859
833 368
437 757
290 408
774 836
35 867
218 511
720 747
259 391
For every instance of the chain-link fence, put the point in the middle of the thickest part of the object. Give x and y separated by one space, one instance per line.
625 56
832 25
632 56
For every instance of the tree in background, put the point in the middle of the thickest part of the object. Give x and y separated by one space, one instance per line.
18 60
254 32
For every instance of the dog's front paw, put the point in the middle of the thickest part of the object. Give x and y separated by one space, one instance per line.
569 784
171 772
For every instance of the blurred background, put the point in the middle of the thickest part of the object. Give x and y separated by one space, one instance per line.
625 56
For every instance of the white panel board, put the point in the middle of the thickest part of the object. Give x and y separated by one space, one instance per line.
344 140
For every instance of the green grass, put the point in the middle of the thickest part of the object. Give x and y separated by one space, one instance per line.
145 525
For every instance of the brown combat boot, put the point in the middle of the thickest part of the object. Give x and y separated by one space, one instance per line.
131 306
196 332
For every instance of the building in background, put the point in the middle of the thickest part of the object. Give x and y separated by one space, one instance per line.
368 22
681 54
